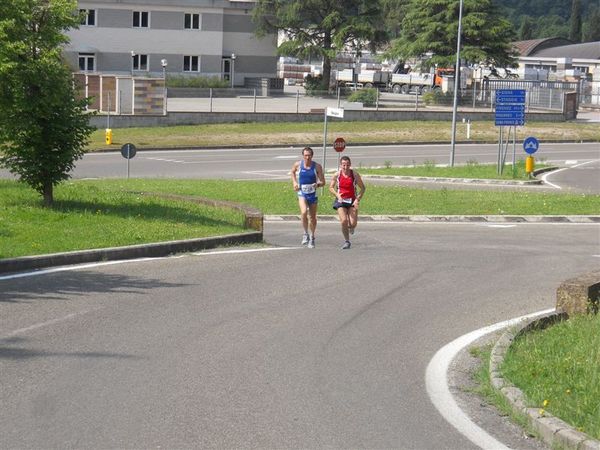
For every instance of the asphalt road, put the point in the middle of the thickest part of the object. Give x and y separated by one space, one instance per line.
270 349
581 160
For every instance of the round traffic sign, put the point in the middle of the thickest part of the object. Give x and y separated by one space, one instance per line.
531 145
339 145
128 151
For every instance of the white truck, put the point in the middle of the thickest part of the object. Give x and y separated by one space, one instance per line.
364 78
403 83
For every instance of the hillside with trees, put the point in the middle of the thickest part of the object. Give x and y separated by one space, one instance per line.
578 20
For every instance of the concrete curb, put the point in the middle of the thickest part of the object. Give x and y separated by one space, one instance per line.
449 218
154 250
552 430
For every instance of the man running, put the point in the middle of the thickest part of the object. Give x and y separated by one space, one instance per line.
307 176
343 186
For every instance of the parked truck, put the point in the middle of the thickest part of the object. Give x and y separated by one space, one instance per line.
417 81
364 78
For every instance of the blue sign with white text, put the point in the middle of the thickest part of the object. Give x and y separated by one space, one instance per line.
510 96
531 145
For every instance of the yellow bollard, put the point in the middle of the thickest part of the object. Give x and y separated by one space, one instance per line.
529 163
108 136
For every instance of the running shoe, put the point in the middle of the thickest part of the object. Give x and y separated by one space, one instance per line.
311 243
305 239
346 245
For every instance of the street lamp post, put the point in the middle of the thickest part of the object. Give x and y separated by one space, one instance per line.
456 77
164 63
132 61
232 70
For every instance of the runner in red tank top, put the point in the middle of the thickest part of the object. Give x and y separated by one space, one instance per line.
343 186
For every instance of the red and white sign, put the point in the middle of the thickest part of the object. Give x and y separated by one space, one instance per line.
339 145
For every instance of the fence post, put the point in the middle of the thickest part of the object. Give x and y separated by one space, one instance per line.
255 100
297 102
210 95
338 96
377 100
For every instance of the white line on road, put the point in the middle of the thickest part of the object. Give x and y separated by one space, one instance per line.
436 380
545 177
125 261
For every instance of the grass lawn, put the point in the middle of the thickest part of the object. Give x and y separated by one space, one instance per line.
303 133
470 170
87 216
101 213
558 370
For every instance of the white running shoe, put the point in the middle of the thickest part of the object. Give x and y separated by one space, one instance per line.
346 245
305 239
311 243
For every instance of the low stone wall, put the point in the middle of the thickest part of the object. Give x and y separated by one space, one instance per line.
579 295
198 118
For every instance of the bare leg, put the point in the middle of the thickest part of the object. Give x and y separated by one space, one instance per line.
353 217
312 211
303 213
343 216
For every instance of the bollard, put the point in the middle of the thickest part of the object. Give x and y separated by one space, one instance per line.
529 163
108 136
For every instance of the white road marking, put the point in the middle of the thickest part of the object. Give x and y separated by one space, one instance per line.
545 177
493 225
436 381
45 324
165 160
248 250
135 260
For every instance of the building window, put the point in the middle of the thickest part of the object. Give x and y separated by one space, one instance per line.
190 64
141 19
87 62
88 16
191 21
140 62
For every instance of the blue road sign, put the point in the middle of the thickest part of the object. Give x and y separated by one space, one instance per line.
509 122
531 145
510 96
510 115
502 108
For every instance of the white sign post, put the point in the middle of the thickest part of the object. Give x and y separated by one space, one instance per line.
333 112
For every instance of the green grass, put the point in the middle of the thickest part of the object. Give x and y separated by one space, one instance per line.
561 366
87 216
471 169
303 133
278 198
100 213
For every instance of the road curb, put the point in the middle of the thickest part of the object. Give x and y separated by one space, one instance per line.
552 430
153 250
448 218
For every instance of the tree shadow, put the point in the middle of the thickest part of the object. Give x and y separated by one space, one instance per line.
23 353
61 285
147 211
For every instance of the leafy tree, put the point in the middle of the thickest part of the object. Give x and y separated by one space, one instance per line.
591 27
575 21
430 27
43 127
527 29
321 28
393 12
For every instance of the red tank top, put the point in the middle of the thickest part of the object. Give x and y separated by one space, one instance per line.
346 185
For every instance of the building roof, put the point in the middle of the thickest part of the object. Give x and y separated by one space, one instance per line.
533 46
587 50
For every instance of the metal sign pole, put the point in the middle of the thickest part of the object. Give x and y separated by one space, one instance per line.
128 158
324 147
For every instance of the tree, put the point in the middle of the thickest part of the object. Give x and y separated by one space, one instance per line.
430 28
526 29
321 28
44 128
591 27
575 21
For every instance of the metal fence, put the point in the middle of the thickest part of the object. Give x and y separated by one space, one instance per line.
298 100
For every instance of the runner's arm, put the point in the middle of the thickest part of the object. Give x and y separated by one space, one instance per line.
293 175
320 176
361 185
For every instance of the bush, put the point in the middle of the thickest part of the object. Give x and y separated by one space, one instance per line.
196 82
314 85
437 97
368 97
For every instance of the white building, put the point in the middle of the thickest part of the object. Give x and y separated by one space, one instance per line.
145 37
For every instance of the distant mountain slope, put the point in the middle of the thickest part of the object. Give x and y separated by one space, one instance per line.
533 19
